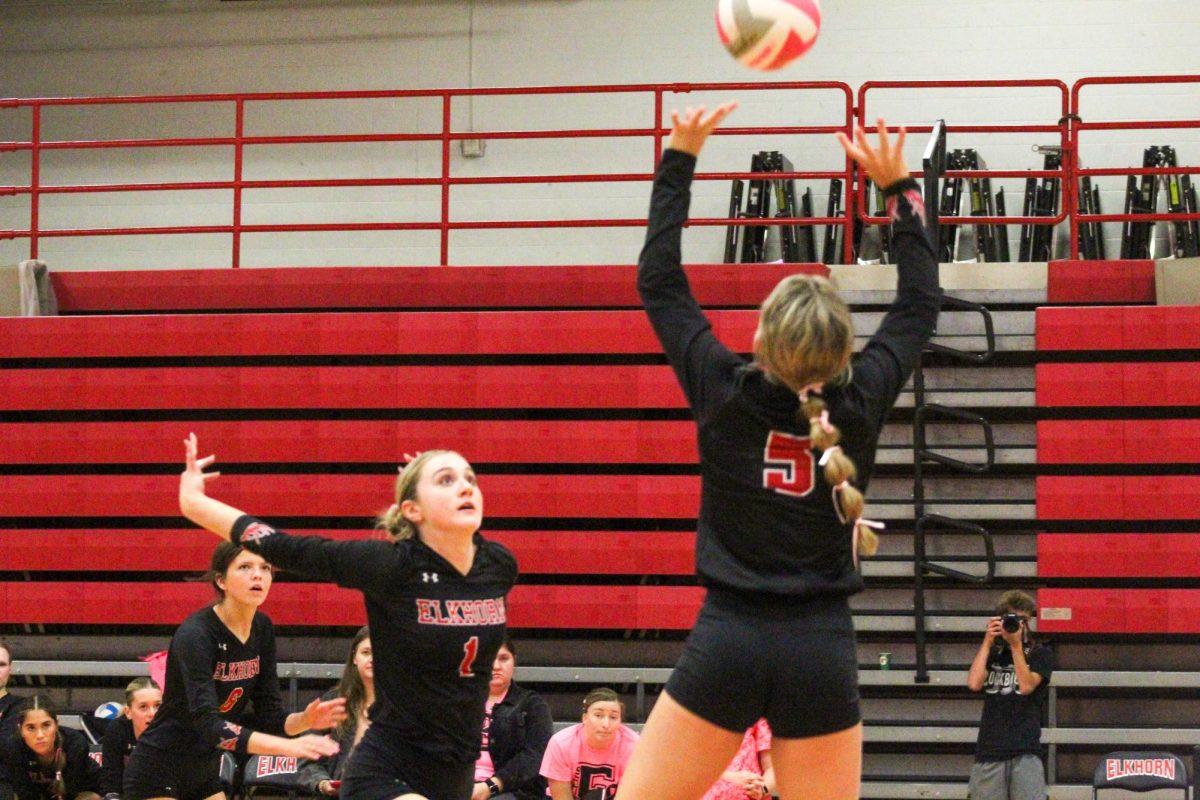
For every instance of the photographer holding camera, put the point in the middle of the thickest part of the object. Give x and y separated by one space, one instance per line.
1014 673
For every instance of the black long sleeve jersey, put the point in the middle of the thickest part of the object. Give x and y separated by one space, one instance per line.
25 777
435 631
116 745
767 522
213 681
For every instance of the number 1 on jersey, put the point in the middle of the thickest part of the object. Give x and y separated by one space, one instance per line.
470 650
792 458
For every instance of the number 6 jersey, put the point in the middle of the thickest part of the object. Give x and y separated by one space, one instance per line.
434 631
767 518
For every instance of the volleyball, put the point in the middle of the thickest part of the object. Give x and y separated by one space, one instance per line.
109 710
768 34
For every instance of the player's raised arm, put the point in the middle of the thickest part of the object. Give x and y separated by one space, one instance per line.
194 502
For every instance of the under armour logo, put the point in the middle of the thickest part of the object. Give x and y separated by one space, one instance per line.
429 577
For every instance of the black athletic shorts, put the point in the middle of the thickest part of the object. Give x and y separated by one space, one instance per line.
151 772
381 768
791 661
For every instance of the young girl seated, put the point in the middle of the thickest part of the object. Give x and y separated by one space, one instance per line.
44 761
586 761
142 699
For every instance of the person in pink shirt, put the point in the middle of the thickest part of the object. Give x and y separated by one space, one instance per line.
586 761
750 774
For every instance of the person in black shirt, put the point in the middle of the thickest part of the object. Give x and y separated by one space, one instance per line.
221 661
435 594
787 446
44 761
323 776
142 700
8 700
516 729
1013 672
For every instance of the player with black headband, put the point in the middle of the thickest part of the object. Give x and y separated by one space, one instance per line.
435 594
787 444
221 661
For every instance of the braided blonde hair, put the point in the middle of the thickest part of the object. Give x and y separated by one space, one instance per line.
804 340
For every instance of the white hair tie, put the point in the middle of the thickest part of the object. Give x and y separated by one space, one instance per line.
827 455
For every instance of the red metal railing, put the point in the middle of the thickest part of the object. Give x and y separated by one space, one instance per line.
445 181
1072 120
1081 121
1057 127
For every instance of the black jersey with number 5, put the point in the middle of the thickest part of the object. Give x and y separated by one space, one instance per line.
434 631
767 522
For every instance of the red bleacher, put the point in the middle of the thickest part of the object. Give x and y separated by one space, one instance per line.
309 411
1099 498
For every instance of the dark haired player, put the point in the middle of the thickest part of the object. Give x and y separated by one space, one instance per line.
222 660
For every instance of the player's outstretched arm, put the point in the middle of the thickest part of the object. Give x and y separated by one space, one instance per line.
194 502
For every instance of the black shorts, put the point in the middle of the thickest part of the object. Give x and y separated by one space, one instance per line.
791 661
381 767
151 772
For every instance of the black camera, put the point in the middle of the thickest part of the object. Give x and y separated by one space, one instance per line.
1010 623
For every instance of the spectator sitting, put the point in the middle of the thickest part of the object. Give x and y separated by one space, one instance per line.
586 761
750 774
323 775
44 761
142 699
516 728
8 701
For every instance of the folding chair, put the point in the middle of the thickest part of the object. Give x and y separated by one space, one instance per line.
1140 772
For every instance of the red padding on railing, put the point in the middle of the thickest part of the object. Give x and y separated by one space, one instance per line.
1140 384
341 387
185 549
1100 282
435 333
1109 328
1119 611
319 605
1118 498
1118 555
1141 441
341 441
561 496
402 287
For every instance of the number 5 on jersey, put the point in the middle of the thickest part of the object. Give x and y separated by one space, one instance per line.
788 467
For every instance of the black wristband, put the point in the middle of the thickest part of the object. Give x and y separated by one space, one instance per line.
901 185
493 787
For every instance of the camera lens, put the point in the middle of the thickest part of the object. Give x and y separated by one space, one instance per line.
1010 623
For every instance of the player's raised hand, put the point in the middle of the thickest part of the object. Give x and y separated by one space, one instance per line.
689 131
191 482
885 163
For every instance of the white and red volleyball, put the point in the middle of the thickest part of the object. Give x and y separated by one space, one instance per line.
768 34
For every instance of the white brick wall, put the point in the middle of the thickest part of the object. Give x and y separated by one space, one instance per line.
105 47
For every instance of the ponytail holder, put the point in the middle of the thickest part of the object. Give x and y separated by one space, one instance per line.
827 455
812 387
843 486
870 523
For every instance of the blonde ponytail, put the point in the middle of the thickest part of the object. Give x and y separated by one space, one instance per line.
839 472
392 522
